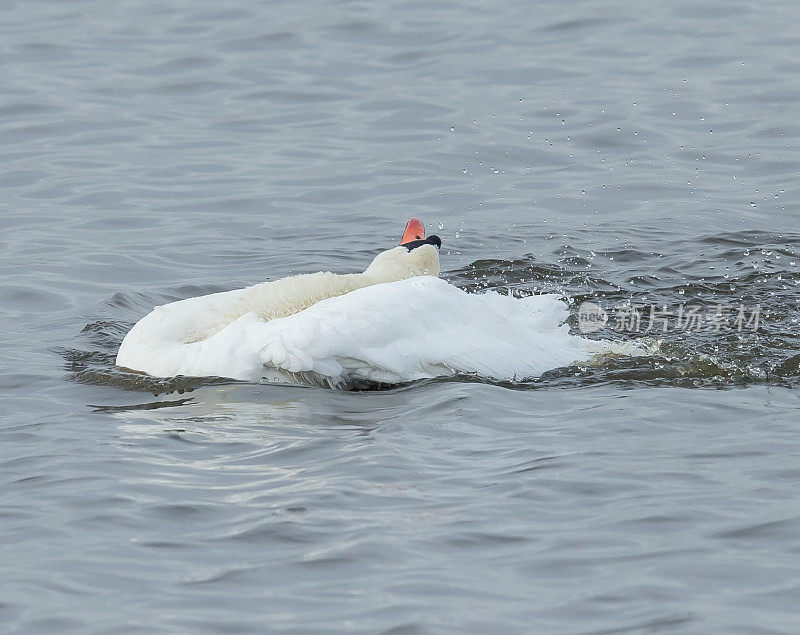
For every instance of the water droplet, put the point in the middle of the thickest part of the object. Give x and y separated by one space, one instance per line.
425 271
452 128
440 224
464 170
752 204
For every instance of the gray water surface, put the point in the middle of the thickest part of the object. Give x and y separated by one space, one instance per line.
610 151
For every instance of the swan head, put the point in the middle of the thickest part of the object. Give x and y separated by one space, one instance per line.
415 256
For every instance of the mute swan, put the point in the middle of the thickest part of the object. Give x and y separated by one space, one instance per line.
395 322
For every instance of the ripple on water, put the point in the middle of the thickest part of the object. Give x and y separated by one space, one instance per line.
156 151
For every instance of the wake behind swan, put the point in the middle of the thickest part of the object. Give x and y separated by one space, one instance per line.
394 323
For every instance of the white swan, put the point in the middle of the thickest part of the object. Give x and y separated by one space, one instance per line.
395 322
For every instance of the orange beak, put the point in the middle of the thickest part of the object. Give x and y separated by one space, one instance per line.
415 230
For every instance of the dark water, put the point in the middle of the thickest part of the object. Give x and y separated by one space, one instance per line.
615 152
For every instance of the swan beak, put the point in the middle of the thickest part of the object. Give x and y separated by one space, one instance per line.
415 230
